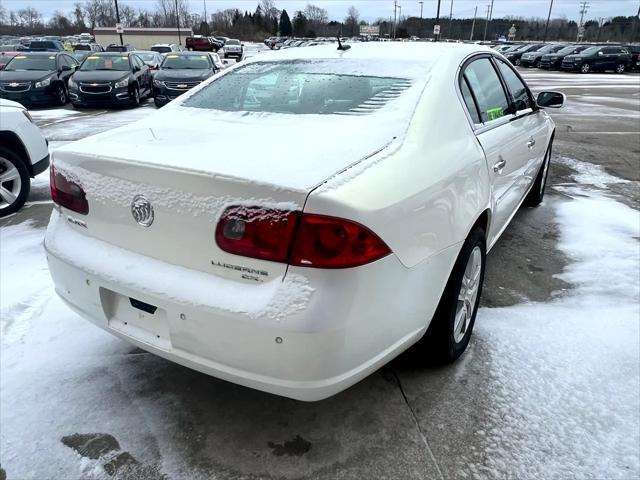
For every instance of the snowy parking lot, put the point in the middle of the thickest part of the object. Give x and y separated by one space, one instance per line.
549 388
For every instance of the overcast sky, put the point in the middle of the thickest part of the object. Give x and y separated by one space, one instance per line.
373 9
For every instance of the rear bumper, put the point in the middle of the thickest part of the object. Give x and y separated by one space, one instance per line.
307 337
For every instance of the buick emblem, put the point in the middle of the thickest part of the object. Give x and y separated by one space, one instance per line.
142 210
181 85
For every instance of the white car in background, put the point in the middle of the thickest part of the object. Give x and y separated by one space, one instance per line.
341 213
233 48
23 154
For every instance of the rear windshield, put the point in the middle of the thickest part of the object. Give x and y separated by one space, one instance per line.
118 63
25 62
147 57
82 46
298 87
189 62
233 42
42 45
161 49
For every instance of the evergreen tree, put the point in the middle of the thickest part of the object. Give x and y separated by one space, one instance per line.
299 25
285 24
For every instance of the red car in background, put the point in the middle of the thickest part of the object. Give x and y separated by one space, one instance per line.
5 57
200 43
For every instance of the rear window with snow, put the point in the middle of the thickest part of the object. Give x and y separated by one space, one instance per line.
300 87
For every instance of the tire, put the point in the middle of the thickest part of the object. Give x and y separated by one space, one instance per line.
62 97
537 64
450 330
585 68
536 194
620 68
15 183
136 96
158 104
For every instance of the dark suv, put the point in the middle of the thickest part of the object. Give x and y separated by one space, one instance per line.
515 56
553 61
634 50
532 59
599 59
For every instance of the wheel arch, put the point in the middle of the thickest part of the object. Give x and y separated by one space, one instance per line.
12 142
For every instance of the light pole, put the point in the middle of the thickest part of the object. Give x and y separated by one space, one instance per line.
450 18
395 16
473 25
118 20
178 23
546 27
486 24
437 35
421 5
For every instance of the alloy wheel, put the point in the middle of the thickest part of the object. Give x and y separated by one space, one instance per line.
620 68
10 183
468 295
585 68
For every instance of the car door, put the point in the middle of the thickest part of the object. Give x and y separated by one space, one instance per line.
529 119
499 132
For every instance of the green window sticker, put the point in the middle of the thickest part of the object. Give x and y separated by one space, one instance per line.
494 113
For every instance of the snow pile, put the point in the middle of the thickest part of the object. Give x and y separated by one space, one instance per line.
26 285
565 376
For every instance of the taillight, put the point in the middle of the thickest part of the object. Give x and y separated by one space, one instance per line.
330 242
300 239
68 194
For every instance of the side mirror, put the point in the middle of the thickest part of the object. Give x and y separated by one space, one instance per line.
600 52
136 68
242 44
65 68
551 99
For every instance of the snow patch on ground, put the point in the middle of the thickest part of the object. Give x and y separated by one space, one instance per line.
589 173
566 374
26 284
58 113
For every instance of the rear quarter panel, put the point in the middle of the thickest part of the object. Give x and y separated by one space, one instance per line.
423 192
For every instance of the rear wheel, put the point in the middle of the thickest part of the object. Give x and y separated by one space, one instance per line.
620 68
585 68
14 182
518 62
536 194
61 94
450 330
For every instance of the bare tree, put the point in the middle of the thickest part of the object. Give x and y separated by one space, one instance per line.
269 9
316 14
3 15
351 21
29 17
78 16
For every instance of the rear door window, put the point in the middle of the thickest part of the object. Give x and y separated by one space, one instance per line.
485 84
469 101
519 91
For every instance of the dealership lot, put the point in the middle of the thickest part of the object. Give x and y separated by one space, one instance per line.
548 389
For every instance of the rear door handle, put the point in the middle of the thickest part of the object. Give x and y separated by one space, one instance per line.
500 165
531 143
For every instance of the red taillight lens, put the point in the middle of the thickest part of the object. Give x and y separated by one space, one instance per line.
306 240
256 232
68 194
330 242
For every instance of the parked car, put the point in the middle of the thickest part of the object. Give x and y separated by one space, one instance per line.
514 56
114 47
166 48
5 57
151 58
110 79
533 59
598 59
46 46
553 61
37 78
634 50
233 49
89 47
201 43
179 73
23 155
223 254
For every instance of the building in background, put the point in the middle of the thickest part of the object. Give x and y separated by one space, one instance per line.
141 38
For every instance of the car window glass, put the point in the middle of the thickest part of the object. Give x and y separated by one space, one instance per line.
469 101
516 87
487 88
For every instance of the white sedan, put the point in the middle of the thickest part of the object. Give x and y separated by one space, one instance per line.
341 213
